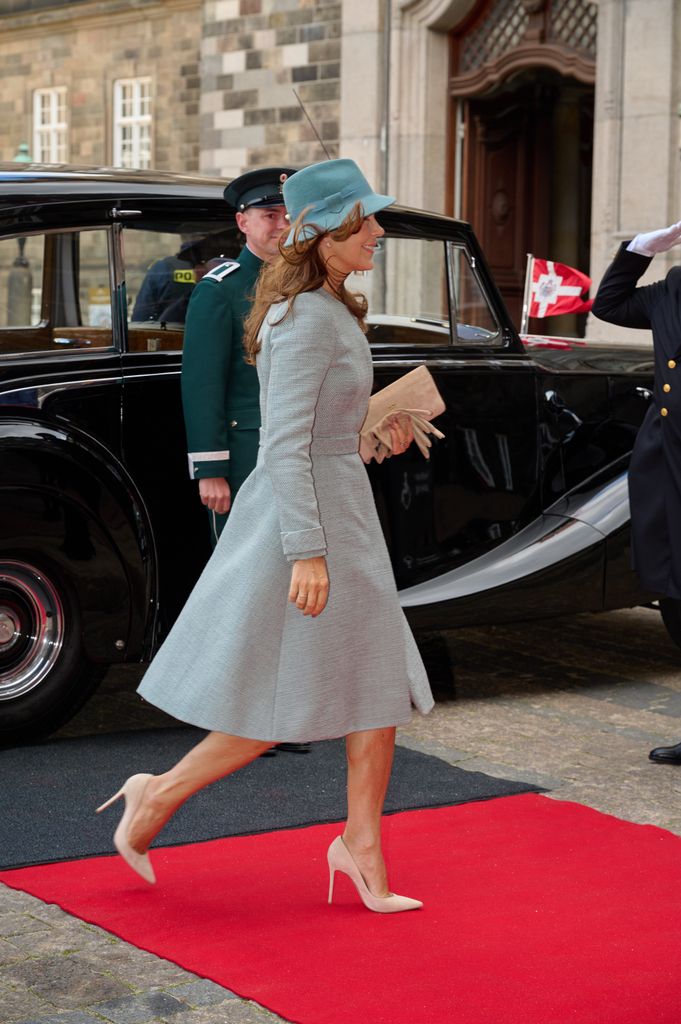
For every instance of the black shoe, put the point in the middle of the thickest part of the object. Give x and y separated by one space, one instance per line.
666 755
294 748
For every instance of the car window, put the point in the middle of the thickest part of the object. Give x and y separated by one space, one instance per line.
407 292
54 292
163 264
475 323
410 289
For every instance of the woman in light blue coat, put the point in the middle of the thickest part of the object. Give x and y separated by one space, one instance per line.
294 632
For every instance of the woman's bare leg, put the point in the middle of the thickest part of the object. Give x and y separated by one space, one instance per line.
217 755
370 758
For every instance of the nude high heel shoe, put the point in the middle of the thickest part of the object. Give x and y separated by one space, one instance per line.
340 859
133 792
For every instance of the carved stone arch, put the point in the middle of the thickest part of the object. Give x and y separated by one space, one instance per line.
438 15
501 37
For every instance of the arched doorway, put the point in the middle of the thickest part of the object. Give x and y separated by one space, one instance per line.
522 91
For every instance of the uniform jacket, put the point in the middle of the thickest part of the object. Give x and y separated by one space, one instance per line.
655 468
220 392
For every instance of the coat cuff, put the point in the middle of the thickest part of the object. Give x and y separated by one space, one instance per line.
304 543
208 464
633 257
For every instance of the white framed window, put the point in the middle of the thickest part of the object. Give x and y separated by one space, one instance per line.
132 122
50 127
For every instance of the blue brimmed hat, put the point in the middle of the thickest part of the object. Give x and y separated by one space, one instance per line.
328 192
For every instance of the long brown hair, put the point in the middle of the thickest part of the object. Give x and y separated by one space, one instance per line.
300 268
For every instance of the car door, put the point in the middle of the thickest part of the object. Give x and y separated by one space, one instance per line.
430 303
164 250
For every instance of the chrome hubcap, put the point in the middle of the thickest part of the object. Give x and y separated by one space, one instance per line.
31 628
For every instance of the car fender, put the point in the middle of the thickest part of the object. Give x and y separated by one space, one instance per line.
66 500
570 533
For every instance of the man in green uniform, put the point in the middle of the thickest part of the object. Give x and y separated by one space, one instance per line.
220 392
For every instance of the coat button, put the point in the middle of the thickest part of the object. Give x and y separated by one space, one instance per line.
666 388
664 412
232 423
671 364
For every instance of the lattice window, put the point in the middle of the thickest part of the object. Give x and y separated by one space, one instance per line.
502 29
574 22
50 127
570 22
132 122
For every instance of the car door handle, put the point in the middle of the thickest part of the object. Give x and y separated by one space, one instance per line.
117 213
644 393
554 400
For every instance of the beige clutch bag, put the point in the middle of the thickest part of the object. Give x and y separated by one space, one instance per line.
414 396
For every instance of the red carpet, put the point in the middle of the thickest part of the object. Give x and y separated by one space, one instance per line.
536 911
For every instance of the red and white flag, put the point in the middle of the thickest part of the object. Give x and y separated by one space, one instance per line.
556 289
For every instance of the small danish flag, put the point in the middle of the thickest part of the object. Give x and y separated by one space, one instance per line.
557 288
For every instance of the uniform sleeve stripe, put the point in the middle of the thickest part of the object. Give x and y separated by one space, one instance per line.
208 456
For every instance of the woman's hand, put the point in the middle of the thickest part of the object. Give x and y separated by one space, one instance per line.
401 433
309 585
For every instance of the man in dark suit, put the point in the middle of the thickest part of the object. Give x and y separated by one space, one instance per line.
655 468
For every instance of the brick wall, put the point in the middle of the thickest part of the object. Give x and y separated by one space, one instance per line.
86 47
254 53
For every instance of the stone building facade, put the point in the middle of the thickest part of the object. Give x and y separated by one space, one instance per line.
552 124
270 71
84 49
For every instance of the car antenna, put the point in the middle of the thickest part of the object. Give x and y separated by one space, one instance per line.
319 140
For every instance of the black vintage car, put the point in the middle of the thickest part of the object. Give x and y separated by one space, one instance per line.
521 512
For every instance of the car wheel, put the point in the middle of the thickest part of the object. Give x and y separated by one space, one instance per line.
670 609
44 675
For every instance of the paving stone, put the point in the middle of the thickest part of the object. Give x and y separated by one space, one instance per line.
65 982
9 953
15 923
10 899
449 754
140 1008
18 1005
231 1012
75 1017
68 934
138 969
202 993
48 912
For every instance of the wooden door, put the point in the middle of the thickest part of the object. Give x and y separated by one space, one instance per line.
507 182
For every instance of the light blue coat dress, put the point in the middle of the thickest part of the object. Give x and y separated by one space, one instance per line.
240 658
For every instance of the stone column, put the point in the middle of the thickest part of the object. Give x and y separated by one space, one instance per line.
394 104
365 70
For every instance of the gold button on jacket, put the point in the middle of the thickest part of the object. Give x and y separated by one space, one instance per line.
664 412
671 364
666 388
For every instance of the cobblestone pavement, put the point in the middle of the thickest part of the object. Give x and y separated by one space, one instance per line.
572 704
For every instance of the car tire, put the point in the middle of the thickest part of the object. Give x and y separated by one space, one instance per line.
45 676
670 609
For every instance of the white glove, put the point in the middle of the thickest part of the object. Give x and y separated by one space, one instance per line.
653 242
